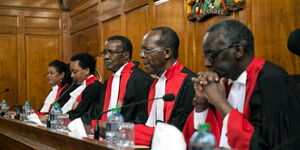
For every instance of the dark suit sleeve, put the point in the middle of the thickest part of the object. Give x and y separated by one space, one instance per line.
89 96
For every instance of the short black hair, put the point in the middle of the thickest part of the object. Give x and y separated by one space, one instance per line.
126 43
168 39
232 31
61 67
85 61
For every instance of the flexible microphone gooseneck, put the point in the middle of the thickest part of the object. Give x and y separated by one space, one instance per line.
166 97
63 94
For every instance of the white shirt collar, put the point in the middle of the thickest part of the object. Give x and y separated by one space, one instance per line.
242 79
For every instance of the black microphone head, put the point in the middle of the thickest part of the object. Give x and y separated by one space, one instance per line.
169 97
294 42
6 90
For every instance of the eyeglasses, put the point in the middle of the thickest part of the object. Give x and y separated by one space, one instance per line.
211 56
110 52
149 51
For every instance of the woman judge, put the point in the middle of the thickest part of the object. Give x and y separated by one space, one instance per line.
60 80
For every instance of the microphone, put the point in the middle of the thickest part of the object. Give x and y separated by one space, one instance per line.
169 97
63 94
293 42
166 97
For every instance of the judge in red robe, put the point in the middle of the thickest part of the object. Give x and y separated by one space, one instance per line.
127 85
159 54
262 106
59 78
88 91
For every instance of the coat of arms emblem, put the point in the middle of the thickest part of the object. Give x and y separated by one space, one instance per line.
199 9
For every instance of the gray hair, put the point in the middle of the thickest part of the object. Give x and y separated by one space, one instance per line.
233 31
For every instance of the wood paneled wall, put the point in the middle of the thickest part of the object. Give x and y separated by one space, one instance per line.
270 20
32 33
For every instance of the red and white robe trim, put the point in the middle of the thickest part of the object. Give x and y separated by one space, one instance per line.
174 81
76 94
194 119
239 129
125 75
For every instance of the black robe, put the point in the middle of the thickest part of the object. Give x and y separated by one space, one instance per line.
137 89
275 110
90 95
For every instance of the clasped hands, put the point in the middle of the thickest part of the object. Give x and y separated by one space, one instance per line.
210 87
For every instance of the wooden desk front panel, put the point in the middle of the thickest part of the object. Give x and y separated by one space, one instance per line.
15 134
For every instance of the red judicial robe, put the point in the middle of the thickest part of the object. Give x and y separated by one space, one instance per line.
178 82
189 128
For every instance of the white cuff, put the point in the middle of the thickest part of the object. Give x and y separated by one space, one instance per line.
224 139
